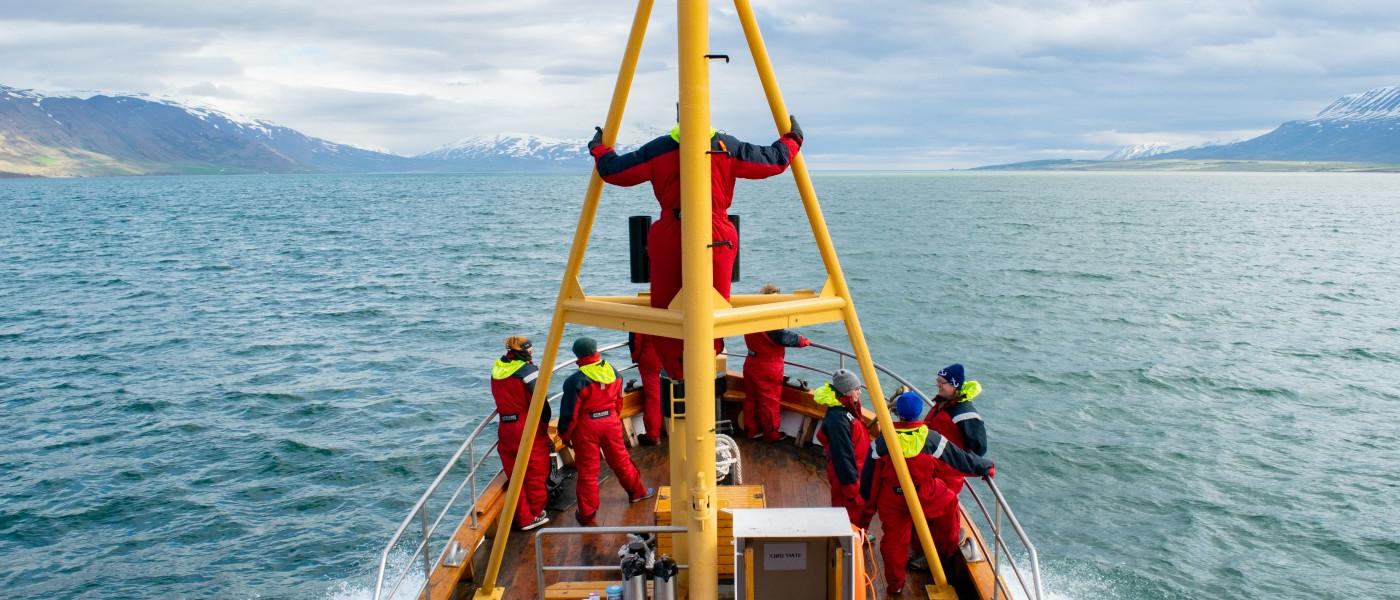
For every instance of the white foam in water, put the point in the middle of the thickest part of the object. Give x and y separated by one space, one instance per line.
362 588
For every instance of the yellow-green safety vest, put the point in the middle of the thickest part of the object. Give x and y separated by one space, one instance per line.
503 369
599 372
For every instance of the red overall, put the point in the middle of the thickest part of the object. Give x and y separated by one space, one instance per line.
590 421
511 385
847 443
658 161
649 366
763 381
887 499
940 421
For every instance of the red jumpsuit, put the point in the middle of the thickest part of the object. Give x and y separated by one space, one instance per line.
887 498
763 381
512 384
658 161
962 425
590 421
649 367
847 443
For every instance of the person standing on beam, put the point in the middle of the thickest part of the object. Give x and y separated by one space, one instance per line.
659 162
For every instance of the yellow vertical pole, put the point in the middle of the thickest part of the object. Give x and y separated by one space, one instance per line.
838 281
697 295
488 589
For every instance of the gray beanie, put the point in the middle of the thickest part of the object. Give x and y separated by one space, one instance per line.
844 382
585 347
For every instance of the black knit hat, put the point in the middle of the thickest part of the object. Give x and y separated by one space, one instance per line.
585 347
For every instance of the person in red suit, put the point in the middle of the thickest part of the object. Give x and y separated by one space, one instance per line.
955 418
763 378
923 451
649 368
512 384
590 422
658 162
845 438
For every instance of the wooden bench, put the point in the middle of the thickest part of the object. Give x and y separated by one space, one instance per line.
579 590
793 400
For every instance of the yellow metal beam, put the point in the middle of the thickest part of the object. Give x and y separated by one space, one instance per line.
750 318
837 281
567 287
735 300
697 296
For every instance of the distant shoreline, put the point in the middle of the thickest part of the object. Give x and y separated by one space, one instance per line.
1200 165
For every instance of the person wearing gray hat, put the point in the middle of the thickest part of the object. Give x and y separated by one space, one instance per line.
845 438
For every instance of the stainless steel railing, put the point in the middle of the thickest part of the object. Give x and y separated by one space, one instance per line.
420 512
1035 591
540 567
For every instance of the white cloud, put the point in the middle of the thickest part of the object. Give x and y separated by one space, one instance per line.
955 82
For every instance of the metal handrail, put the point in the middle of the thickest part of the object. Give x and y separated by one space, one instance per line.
1036 591
540 567
420 508
1002 506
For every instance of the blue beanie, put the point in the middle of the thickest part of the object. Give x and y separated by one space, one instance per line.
954 374
908 406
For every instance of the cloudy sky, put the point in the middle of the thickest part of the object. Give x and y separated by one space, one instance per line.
876 83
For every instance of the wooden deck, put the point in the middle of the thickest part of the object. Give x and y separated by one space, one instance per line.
792 476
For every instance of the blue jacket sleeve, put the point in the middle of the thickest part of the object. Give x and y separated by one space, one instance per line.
839 448
954 456
566 404
783 337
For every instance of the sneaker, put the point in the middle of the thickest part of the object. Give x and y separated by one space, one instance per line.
539 521
588 521
651 491
777 437
648 441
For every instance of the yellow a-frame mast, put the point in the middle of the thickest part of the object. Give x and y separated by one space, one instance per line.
700 315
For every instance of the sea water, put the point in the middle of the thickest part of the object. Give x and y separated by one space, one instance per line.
235 387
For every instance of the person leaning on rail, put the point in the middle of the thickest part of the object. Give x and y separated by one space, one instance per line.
955 418
763 378
590 422
845 439
658 162
512 384
923 451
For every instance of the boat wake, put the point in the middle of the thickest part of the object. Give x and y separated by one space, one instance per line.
361 587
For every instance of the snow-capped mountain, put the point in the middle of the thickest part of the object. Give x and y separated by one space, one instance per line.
529 152
1135 151
511 146
127 134
1378 104
1361 127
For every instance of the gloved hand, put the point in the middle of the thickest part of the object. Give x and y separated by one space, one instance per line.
597 139
803 342
796 131
992 472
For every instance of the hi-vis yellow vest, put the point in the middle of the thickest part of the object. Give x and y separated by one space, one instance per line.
599 372
911 441
503 369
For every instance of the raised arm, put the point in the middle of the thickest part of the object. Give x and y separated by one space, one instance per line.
631 168
752 161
